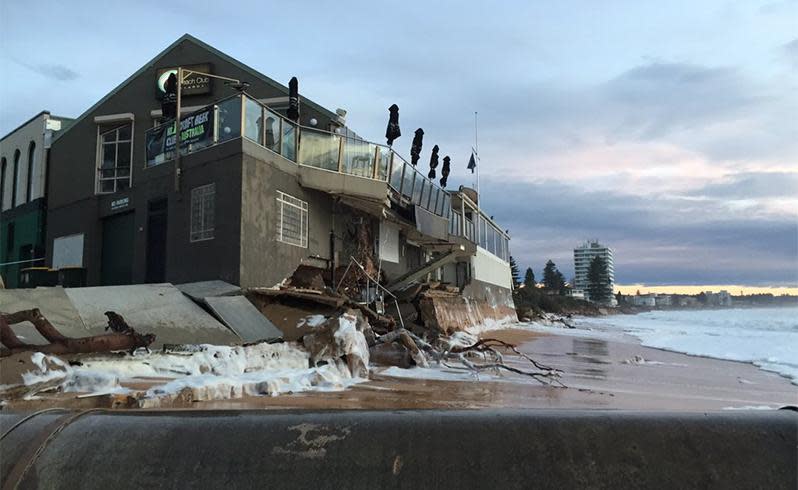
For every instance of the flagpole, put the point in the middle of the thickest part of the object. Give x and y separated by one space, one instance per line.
476 148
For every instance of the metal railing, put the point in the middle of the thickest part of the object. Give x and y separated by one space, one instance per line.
243 116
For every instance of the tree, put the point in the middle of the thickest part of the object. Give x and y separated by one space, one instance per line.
598 280
514 273
562 286
553 280
529 278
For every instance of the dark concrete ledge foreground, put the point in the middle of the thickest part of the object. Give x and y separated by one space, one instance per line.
393 449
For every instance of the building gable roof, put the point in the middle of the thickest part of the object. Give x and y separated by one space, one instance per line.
212 50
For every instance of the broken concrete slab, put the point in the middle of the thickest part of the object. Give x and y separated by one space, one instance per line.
161 309
53 303
243 318
204 289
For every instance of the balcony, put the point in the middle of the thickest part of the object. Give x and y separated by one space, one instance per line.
241 116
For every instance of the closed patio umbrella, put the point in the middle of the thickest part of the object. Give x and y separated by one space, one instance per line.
293 100
433 162
445 170
415 148
392 132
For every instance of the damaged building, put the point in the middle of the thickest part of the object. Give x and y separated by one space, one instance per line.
254 195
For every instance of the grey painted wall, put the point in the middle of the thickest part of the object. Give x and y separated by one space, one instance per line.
75 208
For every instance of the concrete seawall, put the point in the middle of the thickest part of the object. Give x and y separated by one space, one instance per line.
399 449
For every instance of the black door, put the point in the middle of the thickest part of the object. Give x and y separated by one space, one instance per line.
156 241
117 252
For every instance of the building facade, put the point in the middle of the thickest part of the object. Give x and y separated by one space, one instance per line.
24 155
583 255
253 194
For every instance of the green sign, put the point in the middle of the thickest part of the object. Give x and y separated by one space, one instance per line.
196 131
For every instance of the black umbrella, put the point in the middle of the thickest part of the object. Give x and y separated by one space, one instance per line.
445 170
415 148
293 99
169 101
392 131
433 162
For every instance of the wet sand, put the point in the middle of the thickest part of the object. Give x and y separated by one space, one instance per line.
593 371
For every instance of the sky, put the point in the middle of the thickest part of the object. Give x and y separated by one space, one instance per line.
665 130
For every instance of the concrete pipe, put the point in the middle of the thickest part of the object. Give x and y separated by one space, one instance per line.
398 449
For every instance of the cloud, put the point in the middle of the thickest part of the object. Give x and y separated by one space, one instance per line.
753 185
790 52
657 239
54 71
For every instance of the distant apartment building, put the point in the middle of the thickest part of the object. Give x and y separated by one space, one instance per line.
24 155
721 298
583 255
648 300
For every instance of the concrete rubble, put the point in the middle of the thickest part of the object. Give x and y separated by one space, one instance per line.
302 335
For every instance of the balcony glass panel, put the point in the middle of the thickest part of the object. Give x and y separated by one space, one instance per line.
425 192
417 187
385 161
289 140
229 119
253 120
407 181
438 196
447 205
396 173
319 149
359 157
271 131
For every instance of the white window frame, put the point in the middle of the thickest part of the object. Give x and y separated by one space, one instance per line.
287 201
99 157
199 195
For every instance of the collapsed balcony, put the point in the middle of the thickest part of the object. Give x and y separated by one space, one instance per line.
365 175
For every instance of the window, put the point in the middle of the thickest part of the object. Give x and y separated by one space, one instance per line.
3 184
115 154
292 227
31 156
15 182
203 211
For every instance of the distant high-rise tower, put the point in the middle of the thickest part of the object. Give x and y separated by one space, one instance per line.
585 253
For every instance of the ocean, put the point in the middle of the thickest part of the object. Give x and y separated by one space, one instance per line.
765 337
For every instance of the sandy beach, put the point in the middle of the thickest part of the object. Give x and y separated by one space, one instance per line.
597 374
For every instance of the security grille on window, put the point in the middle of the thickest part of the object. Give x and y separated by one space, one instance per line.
113 172
292 227
203 205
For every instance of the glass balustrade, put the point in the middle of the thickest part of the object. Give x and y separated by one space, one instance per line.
359 158
319 149
271 131
384 164
253 120
229 112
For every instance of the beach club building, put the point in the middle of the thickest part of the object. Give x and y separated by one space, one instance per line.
254 194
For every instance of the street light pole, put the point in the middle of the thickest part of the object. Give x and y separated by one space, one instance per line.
178 169
181 75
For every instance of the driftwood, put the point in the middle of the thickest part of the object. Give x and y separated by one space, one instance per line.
61 344
483 355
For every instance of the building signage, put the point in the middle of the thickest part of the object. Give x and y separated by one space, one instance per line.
118 204
193 83
196 131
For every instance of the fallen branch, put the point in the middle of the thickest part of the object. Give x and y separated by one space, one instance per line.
486 349
61 344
